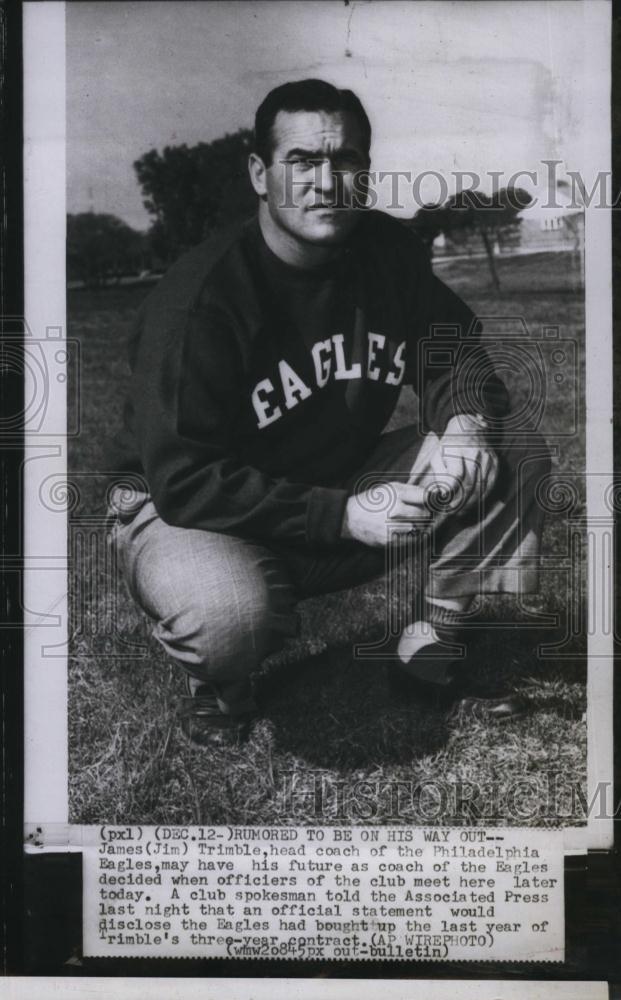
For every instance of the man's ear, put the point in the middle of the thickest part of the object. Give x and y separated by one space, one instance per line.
257 171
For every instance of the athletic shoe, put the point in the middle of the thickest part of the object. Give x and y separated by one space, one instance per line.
438 678
434 671
204 724
490 709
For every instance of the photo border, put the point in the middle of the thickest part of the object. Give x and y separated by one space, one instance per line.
10 234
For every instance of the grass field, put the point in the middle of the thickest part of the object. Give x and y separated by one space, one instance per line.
334 745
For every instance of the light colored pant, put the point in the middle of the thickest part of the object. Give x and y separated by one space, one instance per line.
220 604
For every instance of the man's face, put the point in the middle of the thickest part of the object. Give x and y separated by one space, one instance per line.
312 185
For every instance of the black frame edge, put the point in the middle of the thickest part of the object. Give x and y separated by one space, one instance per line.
11 461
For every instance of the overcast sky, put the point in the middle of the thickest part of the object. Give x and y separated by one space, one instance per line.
448 86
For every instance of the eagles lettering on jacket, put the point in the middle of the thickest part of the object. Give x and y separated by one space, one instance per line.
259 389
329 362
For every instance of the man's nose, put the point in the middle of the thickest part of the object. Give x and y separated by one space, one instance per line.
325 179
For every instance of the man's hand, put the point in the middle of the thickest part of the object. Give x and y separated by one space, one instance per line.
377 514
463 461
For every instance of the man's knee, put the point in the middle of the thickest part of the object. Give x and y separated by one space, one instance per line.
230 625
214 599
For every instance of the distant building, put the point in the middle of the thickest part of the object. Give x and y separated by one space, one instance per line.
551 229
537 229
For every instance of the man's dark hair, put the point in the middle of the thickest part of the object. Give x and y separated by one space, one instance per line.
305 95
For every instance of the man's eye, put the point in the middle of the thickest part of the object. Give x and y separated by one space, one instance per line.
339 164
307 162
302 162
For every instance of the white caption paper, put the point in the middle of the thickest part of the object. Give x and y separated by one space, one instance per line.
324 893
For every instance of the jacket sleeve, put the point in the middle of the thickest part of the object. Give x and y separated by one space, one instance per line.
449 367
187 389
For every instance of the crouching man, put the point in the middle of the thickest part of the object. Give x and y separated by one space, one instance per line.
265 368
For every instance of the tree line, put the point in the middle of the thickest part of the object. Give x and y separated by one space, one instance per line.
191 192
